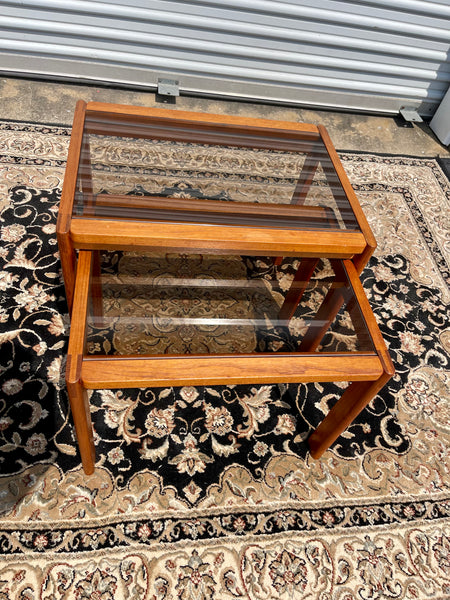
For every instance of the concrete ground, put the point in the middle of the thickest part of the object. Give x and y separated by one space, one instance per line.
45 102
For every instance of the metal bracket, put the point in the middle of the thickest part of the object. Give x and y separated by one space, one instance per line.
410 114
168 87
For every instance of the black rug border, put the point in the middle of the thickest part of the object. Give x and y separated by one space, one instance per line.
36 123
67 536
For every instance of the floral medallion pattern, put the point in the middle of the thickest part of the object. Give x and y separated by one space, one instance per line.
206 493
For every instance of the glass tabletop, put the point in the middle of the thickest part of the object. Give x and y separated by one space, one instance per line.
173 304
147 170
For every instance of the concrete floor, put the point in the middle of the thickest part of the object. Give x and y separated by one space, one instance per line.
44 102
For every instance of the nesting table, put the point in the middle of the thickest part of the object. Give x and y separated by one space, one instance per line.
156 183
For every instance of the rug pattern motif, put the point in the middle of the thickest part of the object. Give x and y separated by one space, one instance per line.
235 508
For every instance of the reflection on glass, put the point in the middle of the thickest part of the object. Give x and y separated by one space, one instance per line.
146 171
156 304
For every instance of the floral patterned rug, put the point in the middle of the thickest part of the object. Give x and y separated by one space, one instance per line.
206 493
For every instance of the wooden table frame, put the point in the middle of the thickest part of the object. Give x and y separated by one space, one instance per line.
80 239
367 371
109 234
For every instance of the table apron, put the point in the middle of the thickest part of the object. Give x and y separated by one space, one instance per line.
122 372
93 234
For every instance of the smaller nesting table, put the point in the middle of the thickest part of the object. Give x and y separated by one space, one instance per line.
224 332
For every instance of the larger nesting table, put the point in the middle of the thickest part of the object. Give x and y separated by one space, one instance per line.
167 181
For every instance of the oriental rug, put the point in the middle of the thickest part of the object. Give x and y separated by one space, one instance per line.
210 493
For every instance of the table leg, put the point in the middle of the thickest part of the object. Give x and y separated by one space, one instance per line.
66 207
322 320
277 261
96 289
353 400
81 413
298 287
304 182
68 259
77 393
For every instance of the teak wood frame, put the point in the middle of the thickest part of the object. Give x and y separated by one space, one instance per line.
115 234
368 372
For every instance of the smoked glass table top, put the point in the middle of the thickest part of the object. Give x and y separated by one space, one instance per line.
162 304
153 170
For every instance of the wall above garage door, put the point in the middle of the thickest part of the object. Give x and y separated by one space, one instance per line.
374 55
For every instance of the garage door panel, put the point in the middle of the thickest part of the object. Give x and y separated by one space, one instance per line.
396 52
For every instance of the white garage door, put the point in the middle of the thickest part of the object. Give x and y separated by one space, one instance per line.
376 55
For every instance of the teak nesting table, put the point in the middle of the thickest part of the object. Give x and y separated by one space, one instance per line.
165 182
